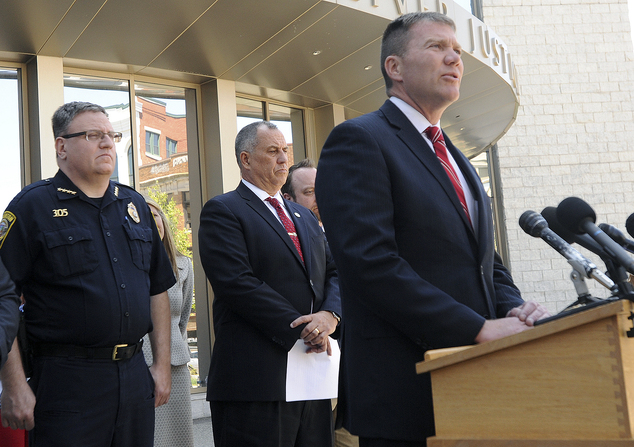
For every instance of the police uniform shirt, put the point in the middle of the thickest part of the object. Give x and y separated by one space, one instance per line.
86 267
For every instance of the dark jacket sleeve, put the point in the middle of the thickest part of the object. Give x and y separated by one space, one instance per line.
9 313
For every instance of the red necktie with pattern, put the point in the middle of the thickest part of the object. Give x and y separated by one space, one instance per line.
288 224
435 135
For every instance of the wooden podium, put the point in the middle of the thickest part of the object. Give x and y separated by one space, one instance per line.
568 382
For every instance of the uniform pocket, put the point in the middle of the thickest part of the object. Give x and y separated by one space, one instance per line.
140 242
72 250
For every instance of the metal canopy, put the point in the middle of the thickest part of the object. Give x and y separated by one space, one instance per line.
306 52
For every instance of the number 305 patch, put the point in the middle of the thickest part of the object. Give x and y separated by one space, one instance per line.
61 212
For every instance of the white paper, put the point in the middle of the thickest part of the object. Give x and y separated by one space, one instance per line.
312 376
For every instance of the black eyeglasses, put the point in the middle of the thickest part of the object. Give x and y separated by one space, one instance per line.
96 135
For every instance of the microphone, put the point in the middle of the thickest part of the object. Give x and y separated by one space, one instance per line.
617 236
550 214
579 217
535 225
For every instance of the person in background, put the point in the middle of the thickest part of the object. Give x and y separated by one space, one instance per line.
300 185
275 288
410 228
173 425
85 253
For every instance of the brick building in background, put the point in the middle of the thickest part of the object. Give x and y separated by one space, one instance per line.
164 162
574 133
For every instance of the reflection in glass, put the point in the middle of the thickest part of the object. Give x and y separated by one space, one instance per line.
163 168
10 168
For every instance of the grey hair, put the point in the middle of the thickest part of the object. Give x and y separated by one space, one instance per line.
64 115
247 138
288 186
396 36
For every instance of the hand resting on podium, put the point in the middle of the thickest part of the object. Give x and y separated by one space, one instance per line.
517 320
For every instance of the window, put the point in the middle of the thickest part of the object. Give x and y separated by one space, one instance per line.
130 163
152 143
11 166
162 110
289 120
170 147
155 110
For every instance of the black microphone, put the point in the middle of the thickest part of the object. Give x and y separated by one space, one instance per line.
550 214
579 217
629 225
618 236
534 224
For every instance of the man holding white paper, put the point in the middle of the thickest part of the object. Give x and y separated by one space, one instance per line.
276 293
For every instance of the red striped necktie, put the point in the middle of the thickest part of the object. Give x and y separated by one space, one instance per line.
435 135
288 224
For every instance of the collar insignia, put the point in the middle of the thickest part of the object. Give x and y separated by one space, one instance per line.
133 212
67 191
116 191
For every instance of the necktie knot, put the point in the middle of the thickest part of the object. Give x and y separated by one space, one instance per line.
273 201
434 134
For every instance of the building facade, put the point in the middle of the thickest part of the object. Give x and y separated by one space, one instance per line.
545 109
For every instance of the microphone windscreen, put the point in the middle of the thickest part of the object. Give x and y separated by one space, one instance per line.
629 225
550 214
572 212
532 223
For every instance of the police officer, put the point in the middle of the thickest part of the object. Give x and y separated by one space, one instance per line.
86 255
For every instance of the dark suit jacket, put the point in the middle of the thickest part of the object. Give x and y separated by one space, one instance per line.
413 276
260 286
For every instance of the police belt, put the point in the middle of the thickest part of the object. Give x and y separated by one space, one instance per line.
118 352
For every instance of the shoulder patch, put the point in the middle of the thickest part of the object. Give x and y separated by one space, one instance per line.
8 219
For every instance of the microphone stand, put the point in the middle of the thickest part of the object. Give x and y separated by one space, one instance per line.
583 295
585 300
619 275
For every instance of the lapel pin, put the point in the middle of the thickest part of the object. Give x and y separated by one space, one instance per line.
297 215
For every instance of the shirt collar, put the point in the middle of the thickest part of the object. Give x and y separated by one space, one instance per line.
414 116
263 195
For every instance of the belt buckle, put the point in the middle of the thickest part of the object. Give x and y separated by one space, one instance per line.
115 351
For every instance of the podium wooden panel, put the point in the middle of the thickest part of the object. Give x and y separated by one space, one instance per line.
568 382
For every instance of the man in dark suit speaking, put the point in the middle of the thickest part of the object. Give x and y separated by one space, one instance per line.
274 284
410 228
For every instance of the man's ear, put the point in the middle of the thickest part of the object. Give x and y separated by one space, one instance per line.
287 196
393 67
60 148
244 159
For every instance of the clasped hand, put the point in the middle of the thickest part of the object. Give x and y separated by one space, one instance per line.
318 327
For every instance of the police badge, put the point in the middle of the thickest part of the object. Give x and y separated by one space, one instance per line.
133 212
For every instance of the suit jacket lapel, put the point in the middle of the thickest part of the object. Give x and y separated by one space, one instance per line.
417 144
260 208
